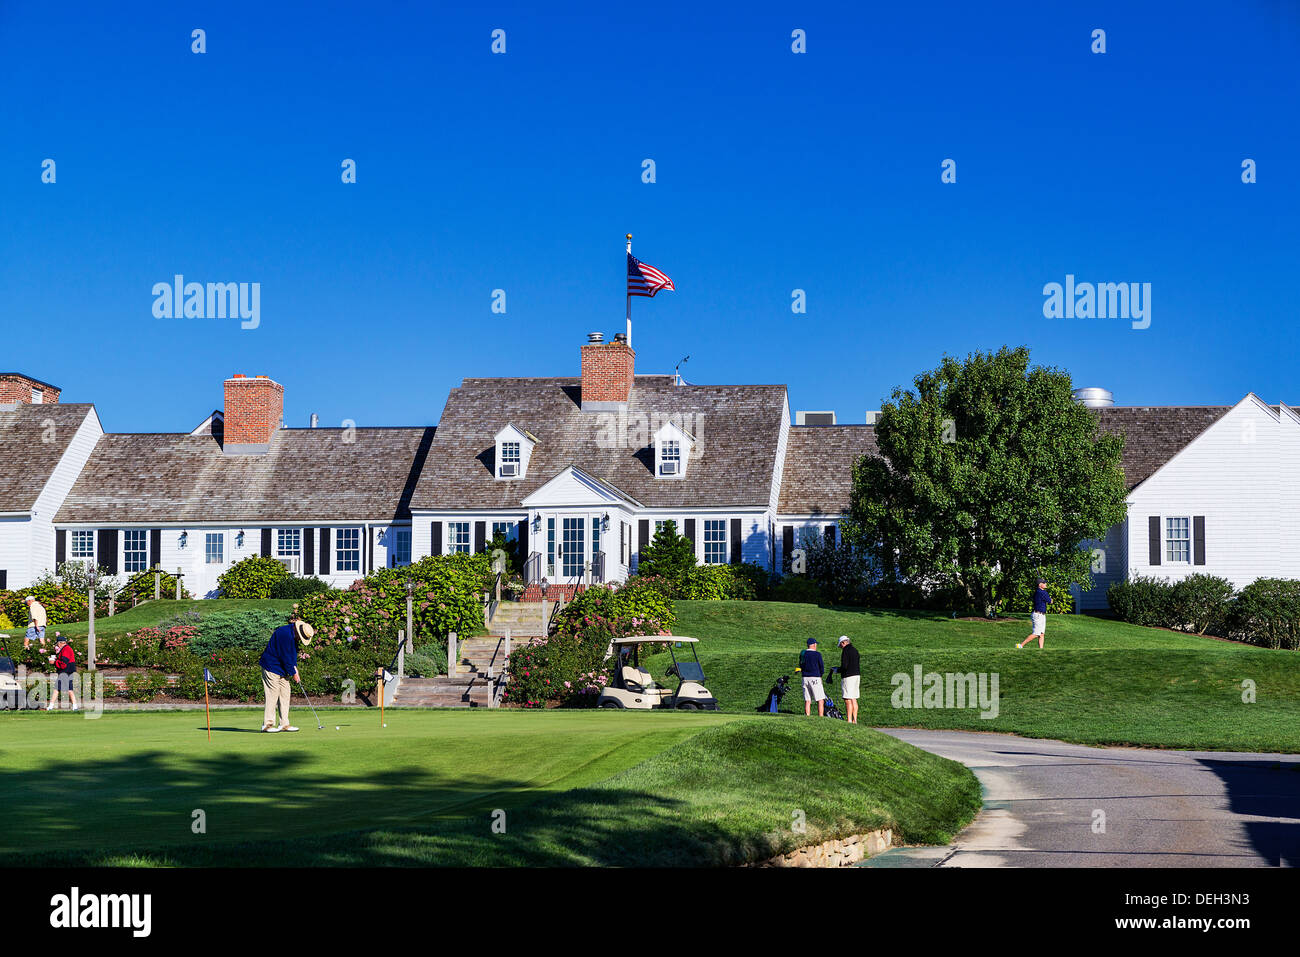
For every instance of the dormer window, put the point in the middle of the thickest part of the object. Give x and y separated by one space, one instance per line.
509 459
514 448
670 457
672 451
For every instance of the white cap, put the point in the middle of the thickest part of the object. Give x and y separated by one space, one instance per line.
30 598
843 639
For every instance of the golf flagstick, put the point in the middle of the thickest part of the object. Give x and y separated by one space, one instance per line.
380 675
207 676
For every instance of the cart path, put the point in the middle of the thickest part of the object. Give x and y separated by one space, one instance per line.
1161 808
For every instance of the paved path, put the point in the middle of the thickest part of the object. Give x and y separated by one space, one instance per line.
1162 808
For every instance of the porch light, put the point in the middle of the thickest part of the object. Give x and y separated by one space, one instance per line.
239 539
604 523
185 537
537 522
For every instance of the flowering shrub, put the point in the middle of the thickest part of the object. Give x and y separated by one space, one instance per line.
637 598
570 668
253 577
448 597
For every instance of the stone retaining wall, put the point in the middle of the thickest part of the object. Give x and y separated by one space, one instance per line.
843 852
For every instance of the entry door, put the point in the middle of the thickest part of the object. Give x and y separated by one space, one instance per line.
574 541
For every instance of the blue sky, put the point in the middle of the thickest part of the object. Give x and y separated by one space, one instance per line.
522 171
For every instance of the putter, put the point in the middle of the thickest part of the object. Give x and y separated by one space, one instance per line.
319 726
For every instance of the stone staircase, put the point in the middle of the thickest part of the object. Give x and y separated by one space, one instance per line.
469 686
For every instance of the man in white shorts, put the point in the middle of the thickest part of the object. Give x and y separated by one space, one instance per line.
1038 616
850 677
812 668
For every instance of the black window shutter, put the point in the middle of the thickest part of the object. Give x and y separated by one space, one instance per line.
324 551
1198 539
1153 540
787 544
370 549
108 549
4 583
308 552
643 534
523 541
480 536
60 548
155 547
266 543
690 530
735 541
435 539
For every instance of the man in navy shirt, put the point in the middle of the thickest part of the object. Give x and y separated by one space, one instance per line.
280 663
812 667
1039 615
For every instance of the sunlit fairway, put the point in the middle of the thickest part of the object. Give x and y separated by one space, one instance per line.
1097 681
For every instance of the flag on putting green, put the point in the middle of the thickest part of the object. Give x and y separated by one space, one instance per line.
207 675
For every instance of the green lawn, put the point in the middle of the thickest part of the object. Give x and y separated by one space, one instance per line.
152 612
577 787
1097 681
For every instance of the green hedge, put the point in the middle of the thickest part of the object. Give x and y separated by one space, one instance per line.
1267 613
253 577
738 582
637 599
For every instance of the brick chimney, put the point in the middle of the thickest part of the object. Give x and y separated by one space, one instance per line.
254 411
606 374
18 388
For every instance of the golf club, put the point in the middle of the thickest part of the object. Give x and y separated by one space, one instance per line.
319 726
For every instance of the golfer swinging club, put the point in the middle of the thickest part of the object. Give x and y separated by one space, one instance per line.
1039 615
280 663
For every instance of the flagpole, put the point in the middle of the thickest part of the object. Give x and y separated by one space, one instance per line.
629 298
206 709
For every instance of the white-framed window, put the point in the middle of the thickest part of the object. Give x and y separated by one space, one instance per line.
1178 540
135 550
348 550
715 541
550 547
401 548
509 529
511 460
670 457
627 544
214 548
288 541
83 544
458 538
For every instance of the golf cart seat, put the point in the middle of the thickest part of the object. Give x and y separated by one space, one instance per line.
636 679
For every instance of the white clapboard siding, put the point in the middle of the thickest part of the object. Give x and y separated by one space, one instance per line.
40 530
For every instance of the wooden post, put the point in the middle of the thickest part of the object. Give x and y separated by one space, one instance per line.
157 582
90 632
410 623
112 600
451 654
179 573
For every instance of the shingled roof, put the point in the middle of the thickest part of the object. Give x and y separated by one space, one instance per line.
818 474
308 475
33 439
1155 434
737 428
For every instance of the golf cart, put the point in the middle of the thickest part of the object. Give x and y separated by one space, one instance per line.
13 697
634 688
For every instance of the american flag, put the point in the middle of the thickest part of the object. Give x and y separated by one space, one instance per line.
644 280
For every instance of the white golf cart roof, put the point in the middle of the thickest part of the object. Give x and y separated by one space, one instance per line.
653 640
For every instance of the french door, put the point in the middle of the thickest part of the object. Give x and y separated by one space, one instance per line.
572 540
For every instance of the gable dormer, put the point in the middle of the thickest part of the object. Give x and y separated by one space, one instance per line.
673 446
514 448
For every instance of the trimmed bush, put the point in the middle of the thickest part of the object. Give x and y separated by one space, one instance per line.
244 630
1267 613
140 587
797 588
718 583
298 588
253 577
1142 600
1200 604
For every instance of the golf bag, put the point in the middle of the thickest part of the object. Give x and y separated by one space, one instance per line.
772 704
831 710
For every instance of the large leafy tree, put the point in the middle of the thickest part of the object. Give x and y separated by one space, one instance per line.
989 472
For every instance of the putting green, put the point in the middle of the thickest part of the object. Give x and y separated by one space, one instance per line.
131 780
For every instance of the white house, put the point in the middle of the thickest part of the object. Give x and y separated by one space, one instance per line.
327 502
1211 491
43 448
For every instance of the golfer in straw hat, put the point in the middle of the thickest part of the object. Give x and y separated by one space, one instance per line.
280 664
36 630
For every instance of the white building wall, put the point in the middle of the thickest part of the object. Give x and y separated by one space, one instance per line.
1288 513
1109 567
40 530
1230 475
15 551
